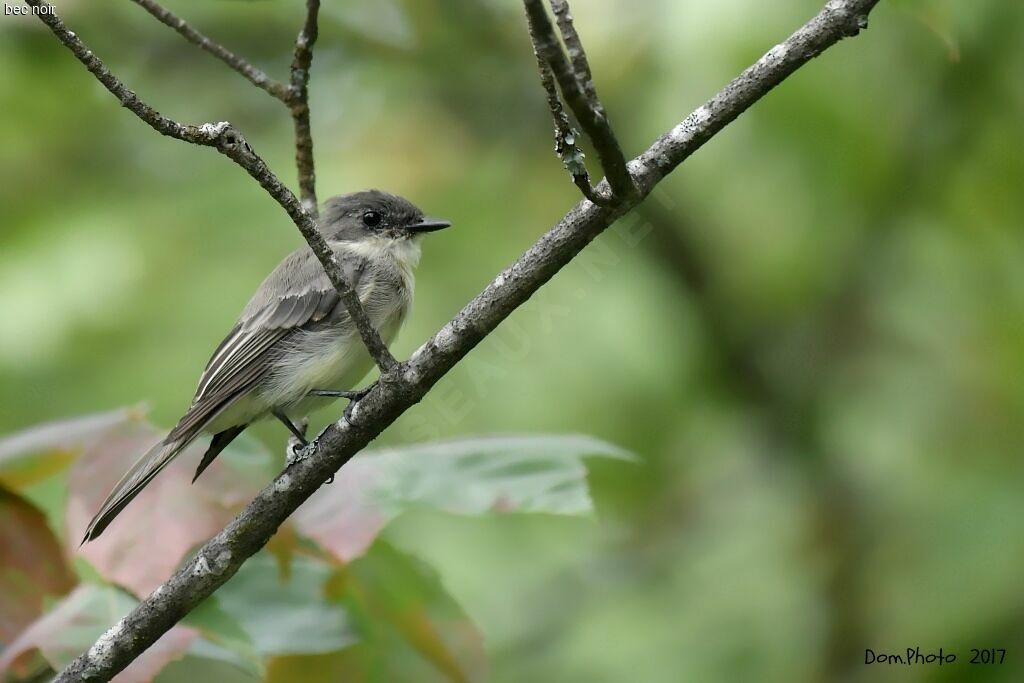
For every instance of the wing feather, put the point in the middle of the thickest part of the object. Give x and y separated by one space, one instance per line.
298 293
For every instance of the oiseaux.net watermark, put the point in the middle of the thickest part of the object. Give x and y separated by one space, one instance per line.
27 11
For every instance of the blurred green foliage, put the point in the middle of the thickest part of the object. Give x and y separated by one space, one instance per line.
813 335
328 598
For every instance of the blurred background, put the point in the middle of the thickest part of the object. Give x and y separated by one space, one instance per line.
811 336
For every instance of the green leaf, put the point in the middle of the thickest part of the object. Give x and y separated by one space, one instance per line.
286 616
413 630
330 667
937 17
504 473
199 667
223 637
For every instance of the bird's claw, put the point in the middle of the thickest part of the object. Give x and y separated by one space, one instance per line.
298 452
296 444
354 400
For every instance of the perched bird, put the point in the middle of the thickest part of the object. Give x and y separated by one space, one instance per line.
294 348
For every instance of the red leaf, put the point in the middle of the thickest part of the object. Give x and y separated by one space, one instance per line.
32 565
38 452
341 517
169 518
75 624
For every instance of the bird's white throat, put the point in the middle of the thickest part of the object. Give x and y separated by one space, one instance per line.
404 252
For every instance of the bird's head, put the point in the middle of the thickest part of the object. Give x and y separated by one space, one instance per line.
373 214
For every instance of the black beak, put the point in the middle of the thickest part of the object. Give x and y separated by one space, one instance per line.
427 225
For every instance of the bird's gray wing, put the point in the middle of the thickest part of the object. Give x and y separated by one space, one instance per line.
296 294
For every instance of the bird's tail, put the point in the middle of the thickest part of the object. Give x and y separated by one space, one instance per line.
156 458
132 483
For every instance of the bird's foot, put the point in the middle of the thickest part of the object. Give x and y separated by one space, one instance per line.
353 397
297 451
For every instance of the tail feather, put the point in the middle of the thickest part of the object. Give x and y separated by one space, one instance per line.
219 443
134 480
157 458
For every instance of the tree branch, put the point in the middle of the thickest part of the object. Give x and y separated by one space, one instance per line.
227 140
298 104
578 57
565 136
295 94
254 75
579 94
221 557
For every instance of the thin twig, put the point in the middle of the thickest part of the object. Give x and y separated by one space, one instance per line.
226 139
254 75
565 138
577 55
295 94
298 104
587 109
221 557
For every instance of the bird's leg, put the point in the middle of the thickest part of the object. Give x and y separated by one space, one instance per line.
353 396
299 434
294 445
335 393
308 449
298 445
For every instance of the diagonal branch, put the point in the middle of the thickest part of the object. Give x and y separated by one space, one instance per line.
580 95
227 140
221 557
298 104
254 75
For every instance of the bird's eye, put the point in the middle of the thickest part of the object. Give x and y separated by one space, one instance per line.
372 219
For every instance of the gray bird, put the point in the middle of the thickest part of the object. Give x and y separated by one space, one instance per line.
295 348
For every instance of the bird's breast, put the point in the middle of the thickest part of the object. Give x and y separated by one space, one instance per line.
333 356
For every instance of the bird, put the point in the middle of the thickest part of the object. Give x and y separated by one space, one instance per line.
294 347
